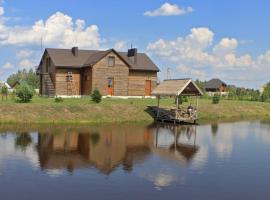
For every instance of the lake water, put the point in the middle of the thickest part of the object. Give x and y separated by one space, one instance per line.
218 161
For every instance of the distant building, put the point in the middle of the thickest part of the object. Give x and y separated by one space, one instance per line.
14 85
2 83
262 88
216 86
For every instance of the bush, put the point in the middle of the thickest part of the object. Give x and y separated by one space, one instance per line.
4 90
24 92
263 98
58 100
96 96
182 99
216 99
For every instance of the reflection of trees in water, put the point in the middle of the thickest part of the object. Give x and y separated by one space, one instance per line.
214 128
22 141
95 137
3 135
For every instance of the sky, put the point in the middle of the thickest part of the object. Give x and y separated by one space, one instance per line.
224 39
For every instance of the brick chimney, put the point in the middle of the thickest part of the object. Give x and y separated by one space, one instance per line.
75 51
132 55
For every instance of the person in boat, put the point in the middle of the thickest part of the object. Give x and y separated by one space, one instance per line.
190 110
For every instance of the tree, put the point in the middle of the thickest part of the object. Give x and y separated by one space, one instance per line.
4 92
96 96
24 92
22 141
201 85
30 77
216 99
266 92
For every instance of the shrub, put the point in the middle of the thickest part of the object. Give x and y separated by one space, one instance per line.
58 100
215 99
96 96
24 92
263 98
4 90
182 99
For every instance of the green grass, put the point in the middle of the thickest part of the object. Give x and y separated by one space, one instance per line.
84 111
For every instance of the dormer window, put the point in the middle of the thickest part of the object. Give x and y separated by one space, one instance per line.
111 61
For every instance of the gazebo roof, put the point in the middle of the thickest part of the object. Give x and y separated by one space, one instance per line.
176 87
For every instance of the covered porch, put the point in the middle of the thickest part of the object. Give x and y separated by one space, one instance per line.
177 88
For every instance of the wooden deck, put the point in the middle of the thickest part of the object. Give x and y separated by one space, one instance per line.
166 115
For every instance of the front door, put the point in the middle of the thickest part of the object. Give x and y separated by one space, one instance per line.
110 86
147 87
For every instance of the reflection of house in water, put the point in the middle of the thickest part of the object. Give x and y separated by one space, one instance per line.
176 142
105 150
108 149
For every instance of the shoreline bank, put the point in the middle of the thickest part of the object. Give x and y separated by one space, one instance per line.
116 111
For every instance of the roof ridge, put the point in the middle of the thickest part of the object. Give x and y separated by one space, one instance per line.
63 58
177 79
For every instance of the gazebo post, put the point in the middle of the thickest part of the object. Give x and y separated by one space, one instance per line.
197 105
177 102
158 107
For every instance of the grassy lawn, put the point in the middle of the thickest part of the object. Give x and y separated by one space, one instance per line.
45 110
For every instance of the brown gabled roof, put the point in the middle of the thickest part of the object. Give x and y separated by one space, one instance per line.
175 87
214 84
143 62
65 58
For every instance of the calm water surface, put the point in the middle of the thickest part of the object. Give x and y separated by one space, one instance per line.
218 161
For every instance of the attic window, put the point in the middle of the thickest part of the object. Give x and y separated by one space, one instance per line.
111 61
48 64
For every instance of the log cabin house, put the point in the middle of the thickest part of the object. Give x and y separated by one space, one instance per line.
74 72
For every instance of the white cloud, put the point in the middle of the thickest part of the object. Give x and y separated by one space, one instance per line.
168 9
24 53
26 64
196 55
59 30
226 45
264 59
7 65
2 11
189 71
120 45
188 51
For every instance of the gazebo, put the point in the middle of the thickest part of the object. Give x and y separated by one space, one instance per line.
176 88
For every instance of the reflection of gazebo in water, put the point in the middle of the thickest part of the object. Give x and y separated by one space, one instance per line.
174 148
176 88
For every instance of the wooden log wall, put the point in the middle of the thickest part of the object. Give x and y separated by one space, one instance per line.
137 81
87 81
101 72
62 84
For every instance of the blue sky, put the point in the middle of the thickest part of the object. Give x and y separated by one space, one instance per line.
200 39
